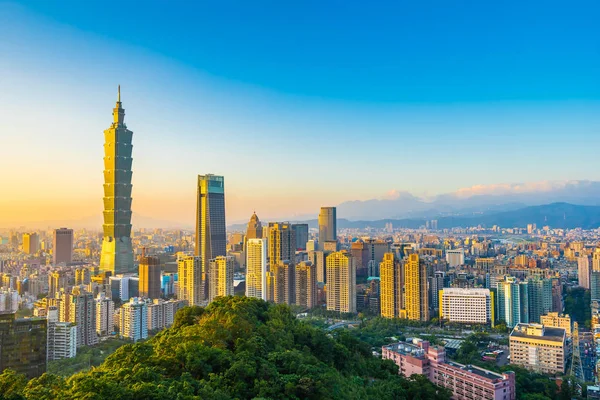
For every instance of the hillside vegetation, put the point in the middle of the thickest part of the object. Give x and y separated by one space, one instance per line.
236 348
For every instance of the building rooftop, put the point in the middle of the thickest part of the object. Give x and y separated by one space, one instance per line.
537 331
483 373
467 291
407 349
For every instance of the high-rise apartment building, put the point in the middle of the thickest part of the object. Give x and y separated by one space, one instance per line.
134 319
256 268
282 242
56 280
471 306
318 259
327 226
341 282
282 256
306 285
539 348
211 236
23 342
584 270
539 298
82 276
281 283
82 312
220 277
117 252
391 286
436 283
62 337
191 280
416 291
62 246
149 273
105 310
31 243
513 301
161 313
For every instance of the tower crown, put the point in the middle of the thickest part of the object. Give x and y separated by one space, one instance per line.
118 111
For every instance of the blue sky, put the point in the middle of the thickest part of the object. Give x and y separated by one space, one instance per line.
298 105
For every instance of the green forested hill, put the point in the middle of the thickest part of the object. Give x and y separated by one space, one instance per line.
236 348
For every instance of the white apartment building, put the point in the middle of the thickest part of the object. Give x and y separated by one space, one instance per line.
464 305
105 309
134 319
455 257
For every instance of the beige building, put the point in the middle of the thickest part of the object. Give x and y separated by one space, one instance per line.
220 277
256 268
416 290
191 280
327 226
281 282
539 348
306 285
341 282
555 320
390 286
31 243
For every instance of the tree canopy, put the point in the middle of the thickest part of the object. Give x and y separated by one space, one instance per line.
236 348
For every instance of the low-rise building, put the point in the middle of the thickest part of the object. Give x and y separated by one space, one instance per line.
556 320
539 348
465 381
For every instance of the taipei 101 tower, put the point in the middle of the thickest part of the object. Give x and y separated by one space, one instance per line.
117 252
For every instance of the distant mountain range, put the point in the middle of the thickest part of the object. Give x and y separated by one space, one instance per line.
476 200
555 215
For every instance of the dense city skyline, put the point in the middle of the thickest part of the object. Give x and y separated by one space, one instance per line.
257 95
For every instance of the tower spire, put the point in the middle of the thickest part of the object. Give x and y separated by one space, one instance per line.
119 94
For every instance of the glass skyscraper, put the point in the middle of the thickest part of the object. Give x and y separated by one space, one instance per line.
211 238
117 252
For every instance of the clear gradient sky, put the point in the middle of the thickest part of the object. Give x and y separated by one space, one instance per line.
297 104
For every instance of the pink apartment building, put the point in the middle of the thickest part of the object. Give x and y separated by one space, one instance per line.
467 382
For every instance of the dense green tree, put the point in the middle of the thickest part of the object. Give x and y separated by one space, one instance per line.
236 348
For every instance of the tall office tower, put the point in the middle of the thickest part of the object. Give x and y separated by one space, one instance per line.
437 282
456 257
306 285
56 280
62 337
105 310
584 271
134 319
23 342
327 226
117 253
301 231
390 286
539 298
341 282
190 280
211 238
282 283
149 273
31 243
256 268
415 286
255 229
220 275
62 246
